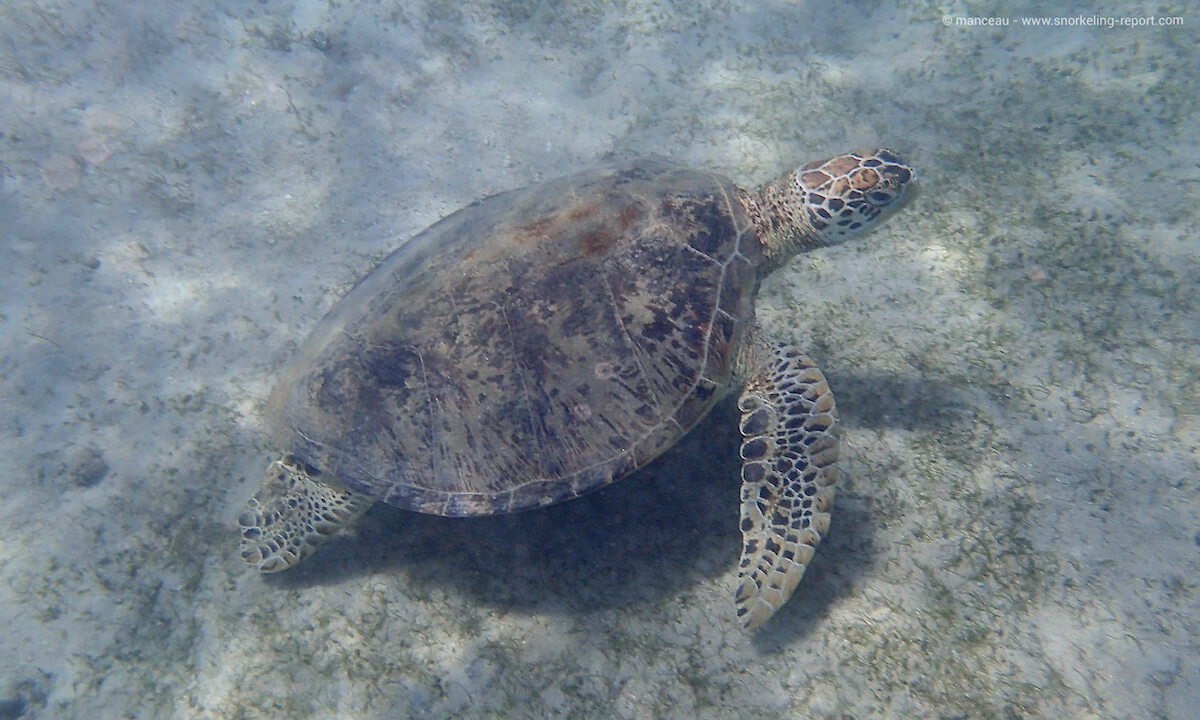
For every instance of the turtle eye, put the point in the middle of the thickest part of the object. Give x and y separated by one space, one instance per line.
900 174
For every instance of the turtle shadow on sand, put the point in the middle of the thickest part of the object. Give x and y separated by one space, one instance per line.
633 543
628 543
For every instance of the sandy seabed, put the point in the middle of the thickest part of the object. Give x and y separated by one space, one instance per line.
186 188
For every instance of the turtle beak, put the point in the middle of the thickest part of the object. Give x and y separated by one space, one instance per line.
902 195
896 185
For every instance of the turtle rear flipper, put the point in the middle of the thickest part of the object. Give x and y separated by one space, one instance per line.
789 450
293 514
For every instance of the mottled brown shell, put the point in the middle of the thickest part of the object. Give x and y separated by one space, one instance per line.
530 347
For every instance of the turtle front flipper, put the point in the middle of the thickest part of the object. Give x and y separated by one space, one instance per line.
292 515
789 449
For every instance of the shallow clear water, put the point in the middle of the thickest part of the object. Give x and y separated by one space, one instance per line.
186 189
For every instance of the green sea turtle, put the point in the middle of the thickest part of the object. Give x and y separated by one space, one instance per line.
545 342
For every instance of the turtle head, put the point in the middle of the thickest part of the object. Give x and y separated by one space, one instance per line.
849 194
829 201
